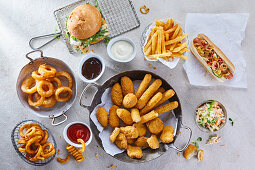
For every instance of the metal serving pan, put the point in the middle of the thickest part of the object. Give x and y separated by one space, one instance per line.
148 154
60 108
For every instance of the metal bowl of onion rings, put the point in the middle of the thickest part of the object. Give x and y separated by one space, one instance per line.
15 137
64 78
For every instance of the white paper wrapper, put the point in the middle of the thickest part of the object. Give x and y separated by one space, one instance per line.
111 148
171 63
227 32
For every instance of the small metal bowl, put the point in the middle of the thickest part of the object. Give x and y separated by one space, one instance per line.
203 129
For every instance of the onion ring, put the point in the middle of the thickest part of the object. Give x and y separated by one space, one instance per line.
22 128
63 90
41 91
37 76
30 142
48 101
26 85
32 103
55 79
66 75
34 159
83 145
65 160
47 70
30 132
45 138
48 144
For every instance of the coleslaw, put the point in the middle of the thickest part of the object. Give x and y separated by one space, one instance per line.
210 116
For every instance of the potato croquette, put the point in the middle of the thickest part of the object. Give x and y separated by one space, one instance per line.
116 94
102 116
125 116
149 116
144 84
142 142
134 152
127 85
167 135
148 93
155 126
114 134
153 142
129 131
135 115
167 107
151 104
129 100
121 141
141 129
167 95
114 120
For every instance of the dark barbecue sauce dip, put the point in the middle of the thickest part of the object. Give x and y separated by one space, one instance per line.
91 68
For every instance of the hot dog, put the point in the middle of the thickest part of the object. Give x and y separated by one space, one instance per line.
212 58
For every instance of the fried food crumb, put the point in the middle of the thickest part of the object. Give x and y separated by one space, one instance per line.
97 155
180 132
112 166
178 153
58 151
222 145
171 75
154 68
150 65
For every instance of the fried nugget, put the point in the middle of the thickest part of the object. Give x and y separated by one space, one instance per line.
130 140
116 94
114 134
125 116
151 104
129 100
102 116
167 135
114 120
144 84
153 142
167 107
127 85
155 126
129 131
135 115
166 95
148 93
142 142
121 141
190 151
141 129
149 116
134 152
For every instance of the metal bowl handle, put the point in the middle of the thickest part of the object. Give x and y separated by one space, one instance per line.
182 149
53 119
54 35
84 91
27 55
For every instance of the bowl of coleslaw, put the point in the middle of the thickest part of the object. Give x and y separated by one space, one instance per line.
210 116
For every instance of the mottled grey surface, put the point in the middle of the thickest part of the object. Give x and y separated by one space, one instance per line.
21 20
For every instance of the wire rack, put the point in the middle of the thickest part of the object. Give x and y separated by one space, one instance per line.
119 14
15 137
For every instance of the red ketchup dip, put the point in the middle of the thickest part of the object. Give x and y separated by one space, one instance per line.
78 131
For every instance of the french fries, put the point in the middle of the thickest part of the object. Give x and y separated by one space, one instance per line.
165 41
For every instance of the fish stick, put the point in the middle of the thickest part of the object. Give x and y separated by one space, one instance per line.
127 85
149 116
148 93
161 90
167 107
125 116
151 104
167 95
144 84
135 115
114 120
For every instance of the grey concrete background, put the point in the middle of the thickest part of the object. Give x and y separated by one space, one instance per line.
21 20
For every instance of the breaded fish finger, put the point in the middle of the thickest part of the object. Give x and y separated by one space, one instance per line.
167 135
144 84
125 116
134 152
153 142
116 94
151 104
102 116
129 100
148 93
161 90
167 107
114 134
127 85
149 116
135 115
114 120
167 95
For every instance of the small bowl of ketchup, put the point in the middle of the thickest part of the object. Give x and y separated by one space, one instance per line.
91 68
77 130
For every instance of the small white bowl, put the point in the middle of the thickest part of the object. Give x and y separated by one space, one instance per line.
75 144
112 41
88 56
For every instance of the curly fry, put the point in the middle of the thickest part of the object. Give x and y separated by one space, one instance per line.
65 160
144 9
83 145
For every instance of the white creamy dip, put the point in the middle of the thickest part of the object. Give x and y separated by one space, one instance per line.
122 50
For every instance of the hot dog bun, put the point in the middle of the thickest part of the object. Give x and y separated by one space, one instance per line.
219 53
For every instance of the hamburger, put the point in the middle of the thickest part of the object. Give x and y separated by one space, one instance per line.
86 25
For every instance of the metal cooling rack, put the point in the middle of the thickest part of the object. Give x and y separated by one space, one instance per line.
119 14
